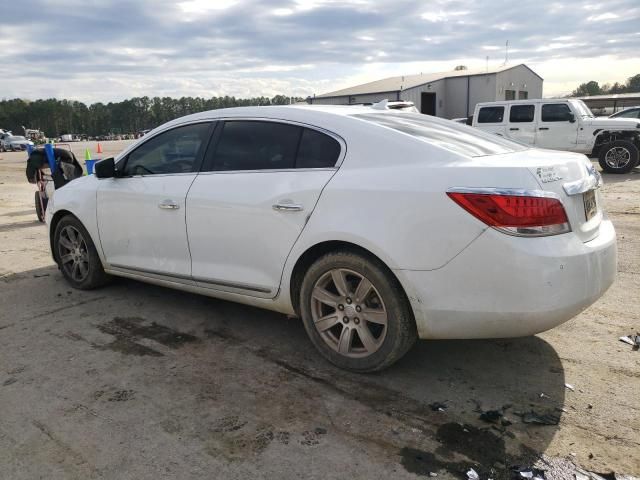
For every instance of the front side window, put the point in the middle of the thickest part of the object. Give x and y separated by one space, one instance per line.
521 113
255 145
556 112
174 151
491 115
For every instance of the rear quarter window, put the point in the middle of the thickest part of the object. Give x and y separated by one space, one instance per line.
467 141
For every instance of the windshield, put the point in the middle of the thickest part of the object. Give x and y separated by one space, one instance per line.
582 108
467 141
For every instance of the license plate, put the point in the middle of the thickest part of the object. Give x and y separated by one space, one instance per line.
590 204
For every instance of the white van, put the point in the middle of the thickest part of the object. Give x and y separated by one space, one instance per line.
564 124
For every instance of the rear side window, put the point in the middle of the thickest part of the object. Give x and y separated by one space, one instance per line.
317 150
491 115
251 145
521 113
556 112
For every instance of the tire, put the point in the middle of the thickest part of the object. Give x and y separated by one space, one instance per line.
41 207
83 251
620 156
347 336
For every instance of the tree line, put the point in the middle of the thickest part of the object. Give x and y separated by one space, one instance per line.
632 85
58 117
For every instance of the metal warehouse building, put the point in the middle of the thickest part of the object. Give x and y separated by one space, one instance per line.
447 94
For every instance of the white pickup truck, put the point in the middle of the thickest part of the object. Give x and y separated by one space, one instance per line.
564 125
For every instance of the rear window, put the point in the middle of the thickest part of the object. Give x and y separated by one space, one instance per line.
442 133
521 113
491 115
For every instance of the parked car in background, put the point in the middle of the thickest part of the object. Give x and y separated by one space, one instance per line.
377 227
564 125
631 112
9 142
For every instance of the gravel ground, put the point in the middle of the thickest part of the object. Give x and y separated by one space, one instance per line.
137 381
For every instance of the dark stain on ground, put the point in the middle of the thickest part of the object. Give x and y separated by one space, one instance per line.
129 330
483 447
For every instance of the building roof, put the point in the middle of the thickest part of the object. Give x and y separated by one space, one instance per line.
405 82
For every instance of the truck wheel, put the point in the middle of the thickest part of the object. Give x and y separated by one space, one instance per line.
620 156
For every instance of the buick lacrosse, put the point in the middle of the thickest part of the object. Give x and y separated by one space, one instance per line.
376 227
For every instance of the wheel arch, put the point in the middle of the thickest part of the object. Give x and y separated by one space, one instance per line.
313 253
59 215
604 137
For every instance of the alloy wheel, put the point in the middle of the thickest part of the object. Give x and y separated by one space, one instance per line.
349 313
73 254
618 157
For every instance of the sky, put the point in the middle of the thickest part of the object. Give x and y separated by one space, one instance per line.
92 50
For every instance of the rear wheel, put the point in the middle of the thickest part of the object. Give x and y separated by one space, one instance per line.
355 312
77 256
620 156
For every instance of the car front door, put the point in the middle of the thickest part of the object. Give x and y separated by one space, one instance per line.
522 126
557 127
245 212
141 212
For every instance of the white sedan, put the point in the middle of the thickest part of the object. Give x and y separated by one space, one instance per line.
376 227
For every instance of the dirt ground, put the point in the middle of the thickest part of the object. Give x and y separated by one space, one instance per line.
134 381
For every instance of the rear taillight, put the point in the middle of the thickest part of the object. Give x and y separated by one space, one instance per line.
523 213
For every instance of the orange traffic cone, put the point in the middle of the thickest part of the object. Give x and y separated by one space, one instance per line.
99 150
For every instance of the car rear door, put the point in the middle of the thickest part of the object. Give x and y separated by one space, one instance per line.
141 213
249 205
522 125
557 127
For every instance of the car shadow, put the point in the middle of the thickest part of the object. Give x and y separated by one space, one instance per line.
9 227
440 389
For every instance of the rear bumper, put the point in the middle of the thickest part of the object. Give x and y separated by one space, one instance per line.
503 286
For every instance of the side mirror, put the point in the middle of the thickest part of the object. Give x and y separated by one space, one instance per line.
572 118
105 168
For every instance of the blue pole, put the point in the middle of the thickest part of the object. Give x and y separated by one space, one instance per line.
48 149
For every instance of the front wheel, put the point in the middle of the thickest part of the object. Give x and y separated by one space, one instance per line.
77 256
355 312
620 156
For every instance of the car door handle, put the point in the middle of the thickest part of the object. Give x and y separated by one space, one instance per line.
168 205
543 128
288 207
514 129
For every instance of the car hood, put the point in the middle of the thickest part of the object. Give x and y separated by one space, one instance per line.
620 123
21 142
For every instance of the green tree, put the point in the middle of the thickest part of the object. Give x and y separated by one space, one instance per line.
587 89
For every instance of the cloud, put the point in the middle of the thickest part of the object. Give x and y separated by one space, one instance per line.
99 50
